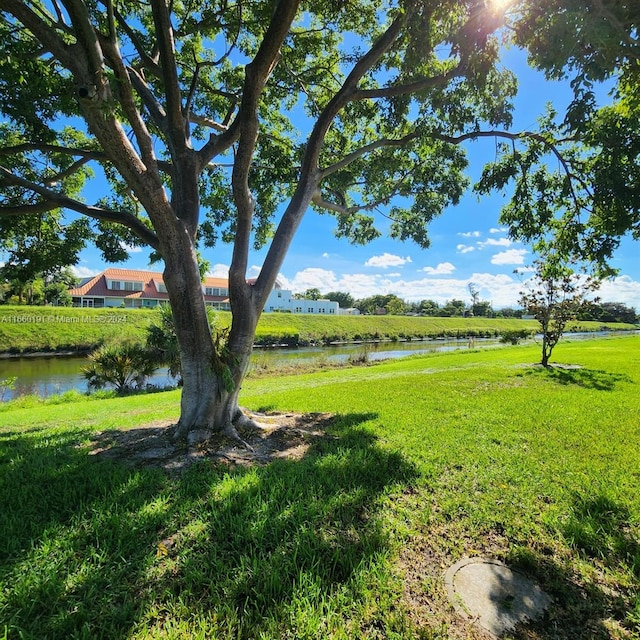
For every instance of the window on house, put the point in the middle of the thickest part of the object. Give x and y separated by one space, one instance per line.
215 291
125 285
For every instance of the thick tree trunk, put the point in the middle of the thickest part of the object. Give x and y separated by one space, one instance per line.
211 381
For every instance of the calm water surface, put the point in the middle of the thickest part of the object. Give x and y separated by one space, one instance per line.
46 376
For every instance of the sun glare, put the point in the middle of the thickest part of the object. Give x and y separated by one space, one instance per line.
499 6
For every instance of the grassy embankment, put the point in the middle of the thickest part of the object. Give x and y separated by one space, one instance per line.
57 329
429 459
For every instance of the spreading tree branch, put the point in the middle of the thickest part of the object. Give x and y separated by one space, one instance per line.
54 200
164 33
256 75
551 146
309 173
411 87
366 149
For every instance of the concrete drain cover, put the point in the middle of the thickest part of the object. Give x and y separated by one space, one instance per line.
494 596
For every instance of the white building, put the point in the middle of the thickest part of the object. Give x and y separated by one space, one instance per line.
132 288
283 301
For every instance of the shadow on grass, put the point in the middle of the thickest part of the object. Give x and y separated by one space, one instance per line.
587 378
100 550
600 528
605 604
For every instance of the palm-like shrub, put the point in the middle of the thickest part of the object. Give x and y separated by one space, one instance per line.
124 367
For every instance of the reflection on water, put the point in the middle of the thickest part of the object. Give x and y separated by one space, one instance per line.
374 350
46 376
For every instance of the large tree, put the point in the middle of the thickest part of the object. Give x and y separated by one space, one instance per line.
220 121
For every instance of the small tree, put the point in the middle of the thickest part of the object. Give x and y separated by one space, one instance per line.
395 306
312 294
429 308
554 296
456 308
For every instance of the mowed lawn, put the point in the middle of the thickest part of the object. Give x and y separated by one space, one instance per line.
428 460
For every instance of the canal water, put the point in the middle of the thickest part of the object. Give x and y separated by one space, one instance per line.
49 375
45 376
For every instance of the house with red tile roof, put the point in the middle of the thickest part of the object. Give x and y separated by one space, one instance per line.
132 289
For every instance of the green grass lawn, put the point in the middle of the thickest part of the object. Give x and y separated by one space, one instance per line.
429 459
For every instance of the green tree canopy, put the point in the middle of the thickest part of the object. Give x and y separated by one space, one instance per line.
226 122
345 300
577 178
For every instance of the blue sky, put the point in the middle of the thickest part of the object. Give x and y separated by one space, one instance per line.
467 243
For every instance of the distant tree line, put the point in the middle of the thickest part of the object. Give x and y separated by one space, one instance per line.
49 287
393 305
52 288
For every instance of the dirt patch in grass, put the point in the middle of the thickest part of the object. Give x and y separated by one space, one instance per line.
281 435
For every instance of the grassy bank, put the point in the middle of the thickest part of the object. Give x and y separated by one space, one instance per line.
429 459
50 329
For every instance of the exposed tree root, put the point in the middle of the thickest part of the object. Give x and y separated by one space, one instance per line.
231 433
245 422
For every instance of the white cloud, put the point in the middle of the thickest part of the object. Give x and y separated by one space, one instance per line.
621 289
358 285
464 248
85 272
469 234
444 268
501 290
498 230
219 271
386 260
512 256
500 242
325 255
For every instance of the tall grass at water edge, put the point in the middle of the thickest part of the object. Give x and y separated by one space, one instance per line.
429 459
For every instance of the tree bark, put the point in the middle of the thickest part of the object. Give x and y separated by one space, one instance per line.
211 379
